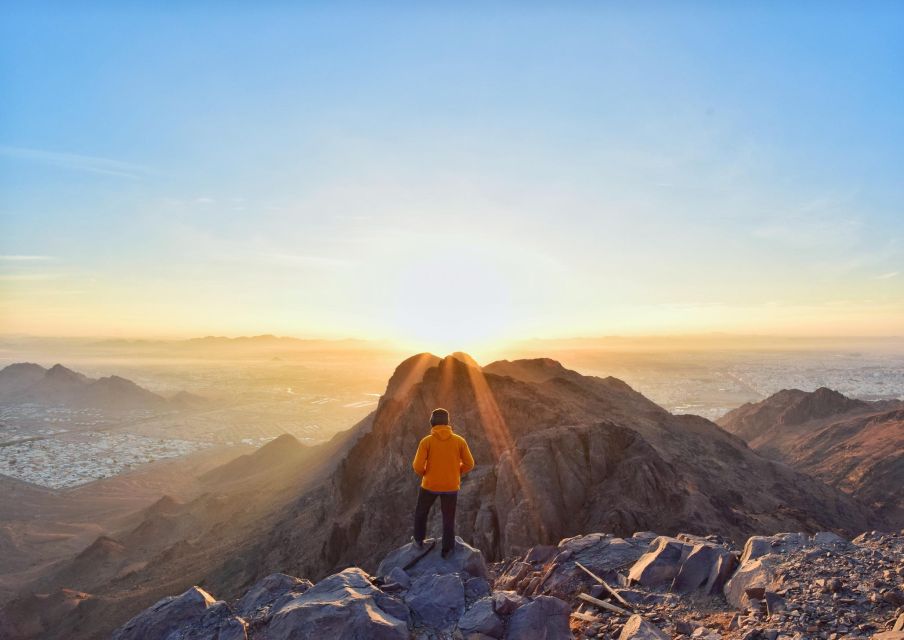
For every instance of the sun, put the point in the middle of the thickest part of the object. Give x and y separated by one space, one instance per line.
455 306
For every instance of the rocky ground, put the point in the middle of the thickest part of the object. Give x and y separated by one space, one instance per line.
646 587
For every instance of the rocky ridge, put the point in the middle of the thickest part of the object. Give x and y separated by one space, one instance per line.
851 444
789 586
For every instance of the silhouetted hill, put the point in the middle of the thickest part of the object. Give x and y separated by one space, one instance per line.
59 386
19 376
284 450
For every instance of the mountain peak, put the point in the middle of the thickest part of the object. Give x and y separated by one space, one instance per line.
59 372
530 369
461 356
409 372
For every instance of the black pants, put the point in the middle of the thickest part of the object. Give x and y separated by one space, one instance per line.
422 510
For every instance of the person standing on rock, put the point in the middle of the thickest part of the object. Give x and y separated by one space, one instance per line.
441 460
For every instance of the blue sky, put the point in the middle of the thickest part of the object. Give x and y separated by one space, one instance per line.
542 169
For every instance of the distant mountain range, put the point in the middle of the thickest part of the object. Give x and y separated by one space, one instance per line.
558 454
29 383
854 445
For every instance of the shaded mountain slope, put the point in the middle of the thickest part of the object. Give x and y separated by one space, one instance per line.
854 445
174 543
758 422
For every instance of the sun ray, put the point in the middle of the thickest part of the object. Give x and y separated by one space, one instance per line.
501 442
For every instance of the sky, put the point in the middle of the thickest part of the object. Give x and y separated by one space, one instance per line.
451 173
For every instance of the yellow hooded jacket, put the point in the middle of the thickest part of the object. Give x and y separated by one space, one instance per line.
442 458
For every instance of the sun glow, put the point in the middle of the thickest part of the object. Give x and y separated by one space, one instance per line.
458 304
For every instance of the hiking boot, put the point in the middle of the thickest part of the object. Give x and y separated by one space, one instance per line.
417 543
446 553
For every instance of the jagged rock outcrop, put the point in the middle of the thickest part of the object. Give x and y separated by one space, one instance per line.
269 594
437 599
194 615
819 586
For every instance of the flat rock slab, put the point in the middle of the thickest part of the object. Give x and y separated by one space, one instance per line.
544 618
344 605
465 559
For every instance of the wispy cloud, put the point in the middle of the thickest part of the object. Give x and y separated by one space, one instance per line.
77 162
887 276
24 258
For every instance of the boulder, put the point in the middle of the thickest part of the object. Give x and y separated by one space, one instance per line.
464 559
775 603
636 628
830 540
344 605
191 614
399 576
707 568
259 599
481 618
506 602
437 600
756 574
602 553
476 588
218 622
661 564
544 618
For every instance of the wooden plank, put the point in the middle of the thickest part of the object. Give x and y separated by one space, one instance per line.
603 604
611 591
586 617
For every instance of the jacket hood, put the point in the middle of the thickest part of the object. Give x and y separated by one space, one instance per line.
442 431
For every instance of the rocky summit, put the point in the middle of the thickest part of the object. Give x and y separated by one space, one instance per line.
789 586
